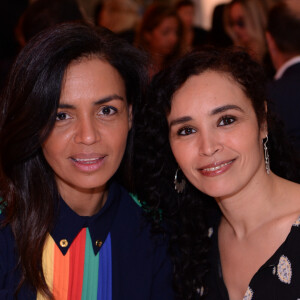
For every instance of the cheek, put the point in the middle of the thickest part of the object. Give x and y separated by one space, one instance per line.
117 137
250 146
159 40
52 151
57 142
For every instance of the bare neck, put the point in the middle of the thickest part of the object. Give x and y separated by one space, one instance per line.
84 202
251 207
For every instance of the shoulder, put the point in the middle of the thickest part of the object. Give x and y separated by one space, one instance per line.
294 69
132 223
290 77
7 248
130 211
7 242
287 201
129 202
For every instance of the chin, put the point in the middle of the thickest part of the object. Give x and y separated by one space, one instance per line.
87 184
215 190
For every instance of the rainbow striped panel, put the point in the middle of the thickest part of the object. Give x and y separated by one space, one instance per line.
80 274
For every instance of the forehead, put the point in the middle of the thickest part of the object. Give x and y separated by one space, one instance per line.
236 10
91 77
169 21
207 91
186 8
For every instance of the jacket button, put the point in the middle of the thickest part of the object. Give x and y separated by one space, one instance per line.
64 243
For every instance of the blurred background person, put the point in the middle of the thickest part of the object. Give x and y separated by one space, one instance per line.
193 36
98 8
119 16
42 14
283 36
217 36
160 34
245 22
267 4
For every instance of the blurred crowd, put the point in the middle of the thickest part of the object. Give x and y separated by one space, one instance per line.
166 32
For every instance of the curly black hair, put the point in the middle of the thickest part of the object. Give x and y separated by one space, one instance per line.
155 166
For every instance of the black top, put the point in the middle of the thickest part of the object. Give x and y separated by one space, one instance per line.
277 279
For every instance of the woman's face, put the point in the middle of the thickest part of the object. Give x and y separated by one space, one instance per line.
214 134
88 141
186 15
237 22
163 38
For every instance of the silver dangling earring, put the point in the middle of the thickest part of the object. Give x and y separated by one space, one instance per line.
267 159
179 186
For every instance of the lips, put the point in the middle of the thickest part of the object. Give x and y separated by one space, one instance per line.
88 162
216 168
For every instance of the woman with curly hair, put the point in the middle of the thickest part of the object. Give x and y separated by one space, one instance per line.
69 229
205 134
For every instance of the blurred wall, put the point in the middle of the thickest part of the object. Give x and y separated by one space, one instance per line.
204 11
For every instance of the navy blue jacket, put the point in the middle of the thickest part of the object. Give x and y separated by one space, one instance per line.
141 269
284 95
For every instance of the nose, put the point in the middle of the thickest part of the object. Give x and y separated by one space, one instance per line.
209 144
87 131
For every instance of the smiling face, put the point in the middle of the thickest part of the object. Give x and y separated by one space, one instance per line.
88 141
215 136
163 38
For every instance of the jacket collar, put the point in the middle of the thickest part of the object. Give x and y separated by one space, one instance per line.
68 223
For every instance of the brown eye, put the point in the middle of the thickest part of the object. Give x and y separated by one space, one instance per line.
186 131
108 110
227 120
62 116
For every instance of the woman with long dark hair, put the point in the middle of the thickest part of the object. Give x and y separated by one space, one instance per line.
205 134
159 34
69 230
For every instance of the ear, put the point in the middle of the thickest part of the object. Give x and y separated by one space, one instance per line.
129 117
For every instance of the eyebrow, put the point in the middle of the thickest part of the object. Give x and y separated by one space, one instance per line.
225 108
180 121
98 102
215 111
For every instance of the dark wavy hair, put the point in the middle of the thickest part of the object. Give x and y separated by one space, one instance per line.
185 214
27 115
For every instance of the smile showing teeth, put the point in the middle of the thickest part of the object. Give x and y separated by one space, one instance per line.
86 160
218 167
